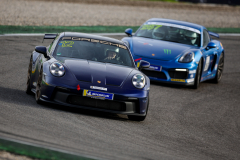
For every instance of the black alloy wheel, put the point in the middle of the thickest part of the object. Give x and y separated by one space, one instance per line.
198 75
220 68
38 87
139 118
28 87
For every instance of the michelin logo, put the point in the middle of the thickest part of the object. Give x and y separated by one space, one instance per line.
100 95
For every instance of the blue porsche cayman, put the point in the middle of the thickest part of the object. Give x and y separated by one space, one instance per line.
179 52
90 72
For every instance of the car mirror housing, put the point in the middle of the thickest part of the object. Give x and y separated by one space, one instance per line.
42 50
129 32
144 64
211 45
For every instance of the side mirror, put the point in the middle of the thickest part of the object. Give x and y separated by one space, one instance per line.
211 45
129 32
42 50
144 64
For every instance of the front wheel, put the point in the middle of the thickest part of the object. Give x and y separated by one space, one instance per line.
139 118
218 76
198 75
38 87
28 87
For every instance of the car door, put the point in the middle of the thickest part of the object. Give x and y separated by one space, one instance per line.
208 55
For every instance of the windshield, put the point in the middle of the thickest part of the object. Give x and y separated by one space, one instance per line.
170 32
94 50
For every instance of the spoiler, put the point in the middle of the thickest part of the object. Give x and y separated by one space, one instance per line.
49 36
213 34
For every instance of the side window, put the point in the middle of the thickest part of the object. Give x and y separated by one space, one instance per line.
206 38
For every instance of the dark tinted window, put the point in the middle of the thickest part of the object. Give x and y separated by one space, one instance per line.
169 33
94 50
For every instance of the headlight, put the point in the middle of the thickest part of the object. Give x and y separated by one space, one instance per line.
187 57
138 81
57 69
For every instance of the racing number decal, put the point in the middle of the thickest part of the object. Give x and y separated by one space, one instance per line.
67 43
150 27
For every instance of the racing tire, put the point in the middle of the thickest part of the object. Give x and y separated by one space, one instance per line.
139 118
218 76
198 75
28 87
38 88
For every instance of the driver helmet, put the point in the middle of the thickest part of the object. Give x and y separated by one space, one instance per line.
111 51
191 37
158 33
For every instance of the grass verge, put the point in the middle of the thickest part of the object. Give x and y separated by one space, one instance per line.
87 29
36 152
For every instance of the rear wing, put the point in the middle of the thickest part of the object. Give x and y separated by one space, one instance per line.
49 36
213 34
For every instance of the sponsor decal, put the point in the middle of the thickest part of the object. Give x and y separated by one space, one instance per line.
150 26
167 51
98 95
70 43
154 67
208 76
215 66
176 26
221 45
100 88
137 59
67 43
78 87
207 63
138 64
144 43
192 71
178 80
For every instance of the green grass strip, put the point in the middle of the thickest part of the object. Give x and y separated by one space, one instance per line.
87 29
58 29
36 152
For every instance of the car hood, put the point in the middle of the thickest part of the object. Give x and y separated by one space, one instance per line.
157 49
98 73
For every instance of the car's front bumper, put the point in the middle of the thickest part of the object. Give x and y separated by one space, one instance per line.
132 102
170 71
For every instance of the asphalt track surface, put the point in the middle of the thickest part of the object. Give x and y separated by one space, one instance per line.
182 123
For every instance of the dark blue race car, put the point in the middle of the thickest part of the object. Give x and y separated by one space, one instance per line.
179 52
90 72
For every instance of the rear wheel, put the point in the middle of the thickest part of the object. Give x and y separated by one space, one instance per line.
139 118
28 87
198 75
38 87
218 76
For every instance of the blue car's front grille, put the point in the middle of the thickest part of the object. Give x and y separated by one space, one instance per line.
178 74
156 74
